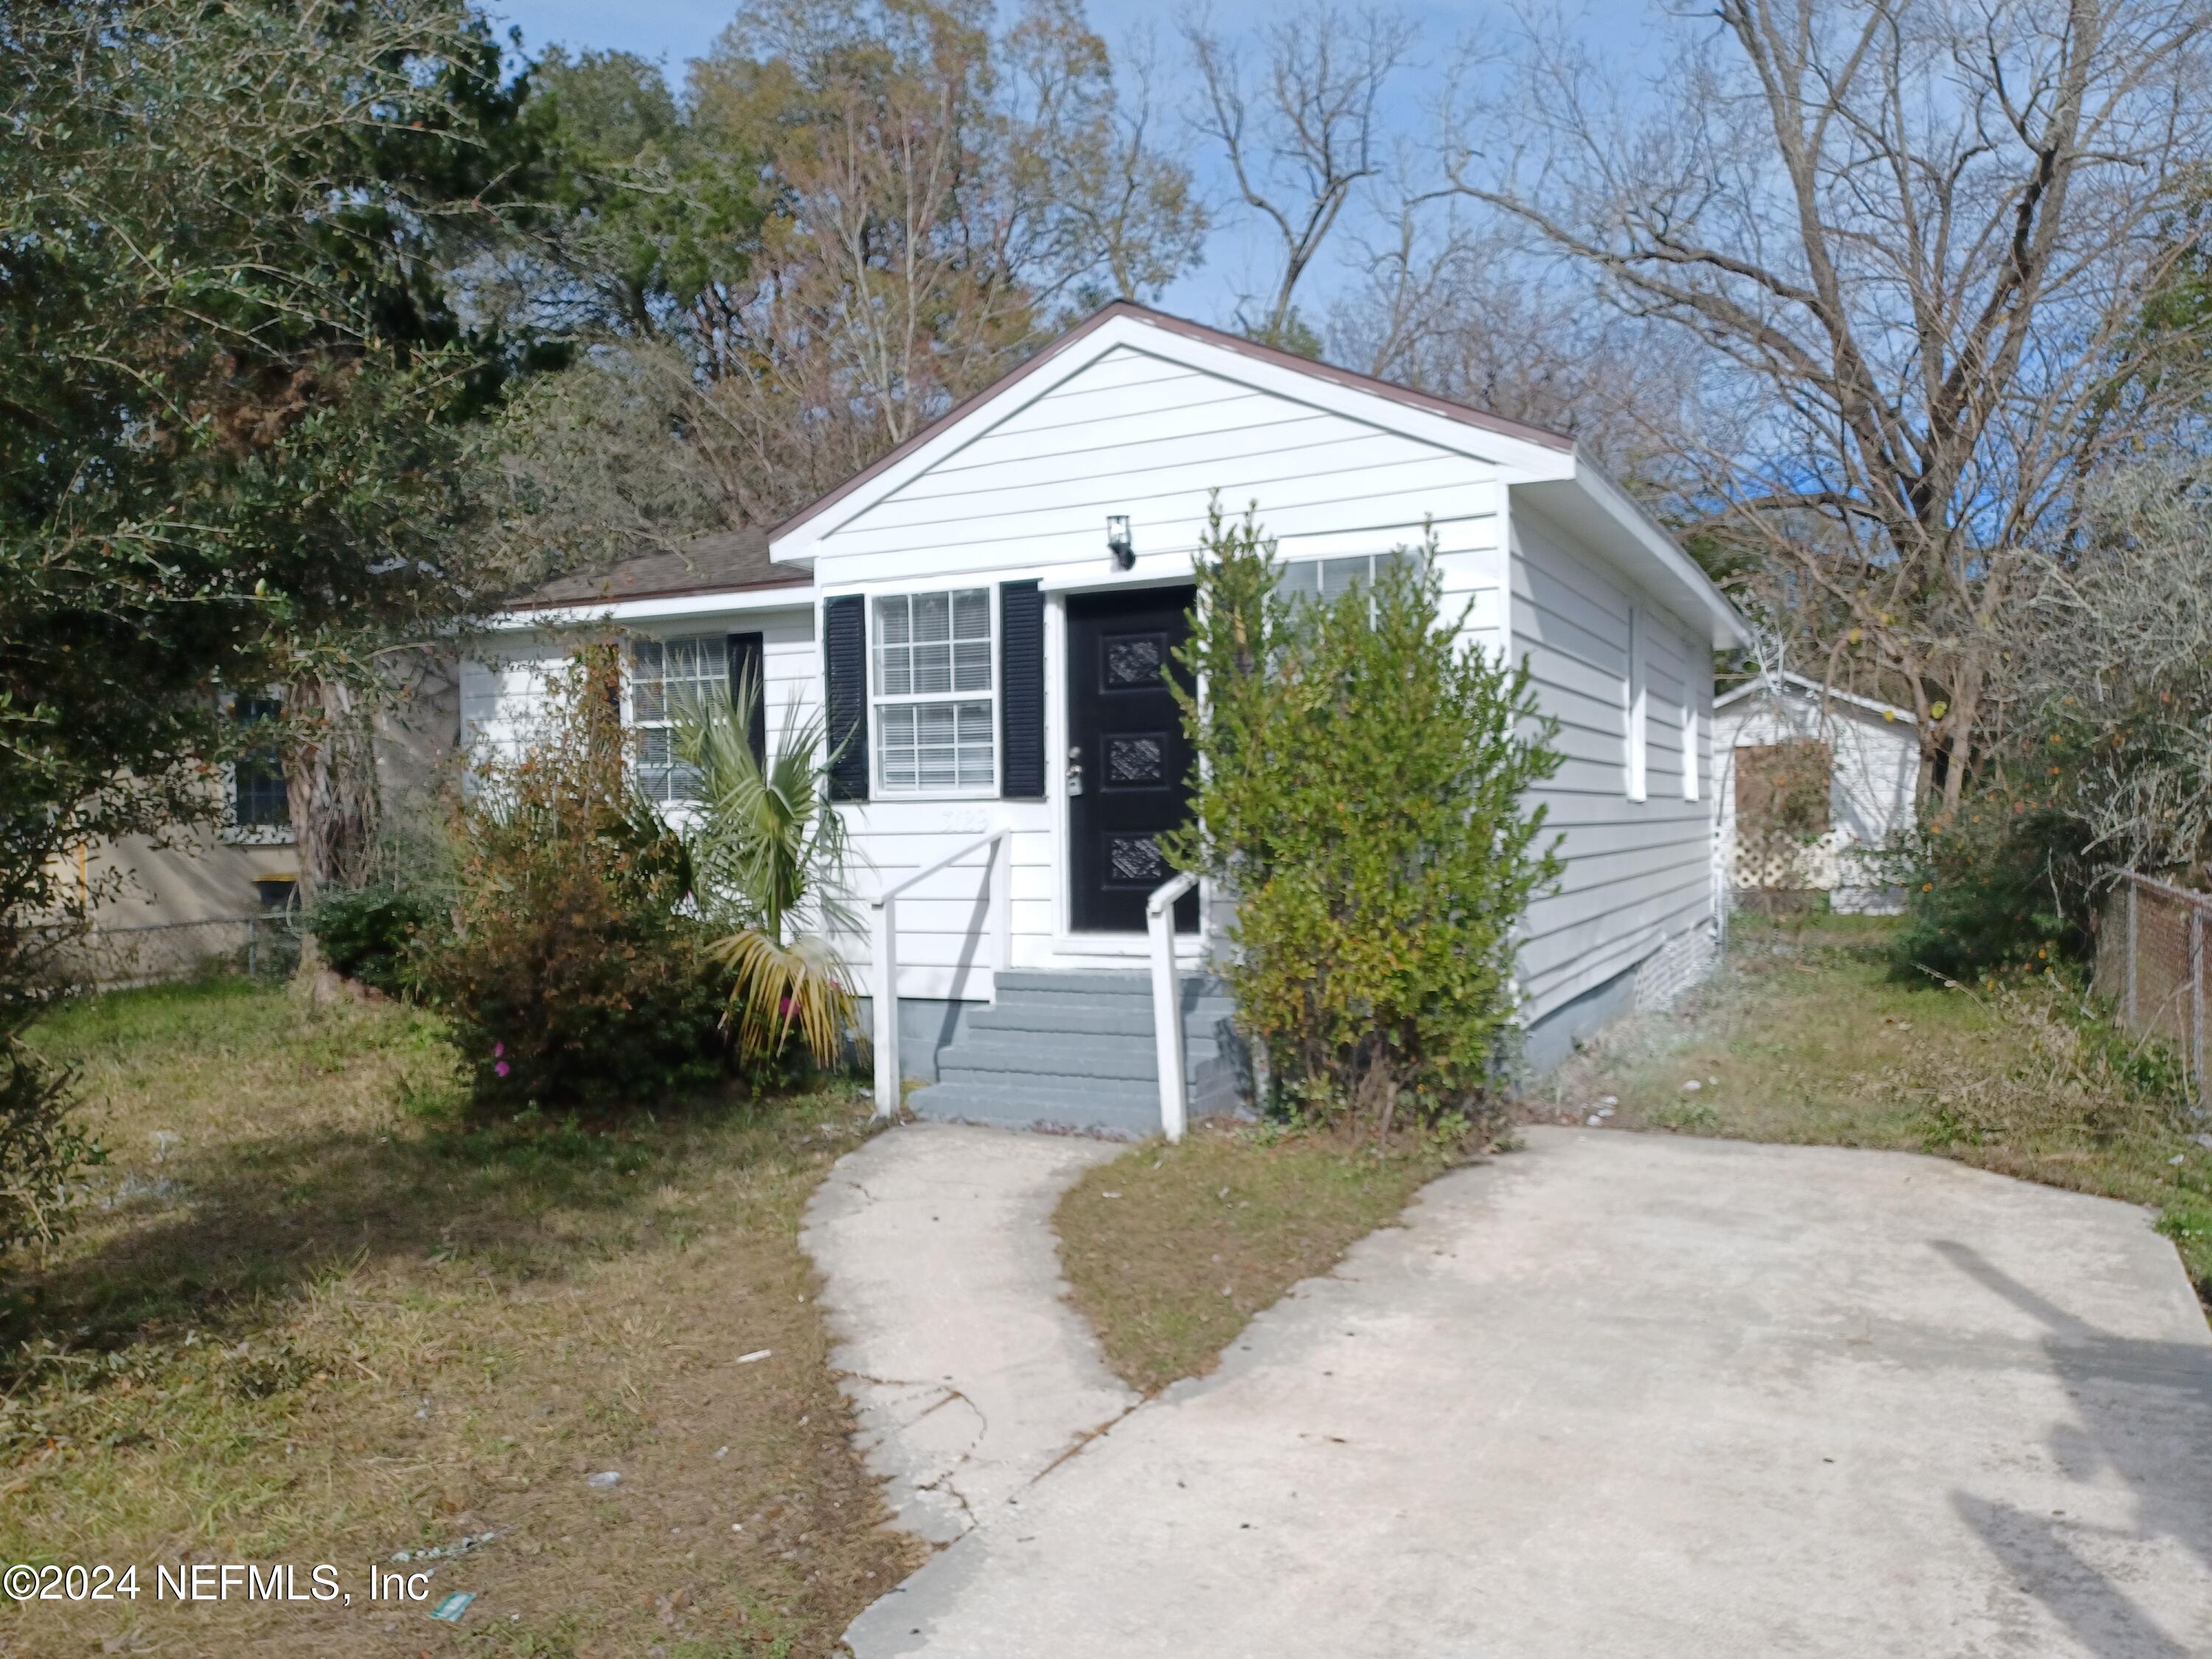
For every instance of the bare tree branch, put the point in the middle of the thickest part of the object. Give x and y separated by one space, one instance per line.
1917 240
1303 132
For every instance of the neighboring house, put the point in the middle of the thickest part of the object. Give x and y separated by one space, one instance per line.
1874 764
243 861
205 874
991 660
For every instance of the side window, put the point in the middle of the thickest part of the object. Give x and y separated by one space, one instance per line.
668 679
1637 693
1690 676
258 798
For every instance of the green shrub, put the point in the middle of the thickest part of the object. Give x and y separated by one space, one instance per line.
1998 886
1360 795
570 977
371 934
39 1148
41 921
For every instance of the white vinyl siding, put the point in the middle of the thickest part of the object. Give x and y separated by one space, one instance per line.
1028 496
1638 873
933 689
1689 727
1135 435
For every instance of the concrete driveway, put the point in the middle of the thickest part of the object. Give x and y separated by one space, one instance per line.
1623 1394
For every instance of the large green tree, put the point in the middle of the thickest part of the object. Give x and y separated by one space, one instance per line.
237 397
236 390
851 217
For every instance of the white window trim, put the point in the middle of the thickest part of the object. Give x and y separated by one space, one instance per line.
633 728
878 699
1638 700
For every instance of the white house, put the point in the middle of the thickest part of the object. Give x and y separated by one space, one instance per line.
992 656
1874 753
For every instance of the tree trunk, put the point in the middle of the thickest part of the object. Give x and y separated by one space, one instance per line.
1965 710
329 782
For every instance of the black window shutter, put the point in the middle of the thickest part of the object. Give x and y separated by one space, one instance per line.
1021 693
748 661
845 673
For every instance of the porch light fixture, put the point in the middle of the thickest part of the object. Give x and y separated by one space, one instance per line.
1118 542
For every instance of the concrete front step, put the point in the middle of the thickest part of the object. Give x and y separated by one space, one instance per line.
1025 1106
1119 1095
1087 990
1075 1051
1069 1058
1072 1019
1051 1017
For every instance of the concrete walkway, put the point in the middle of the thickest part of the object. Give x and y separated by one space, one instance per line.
1629 1395
971 1374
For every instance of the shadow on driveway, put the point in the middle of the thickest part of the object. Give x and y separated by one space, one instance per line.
2119 1383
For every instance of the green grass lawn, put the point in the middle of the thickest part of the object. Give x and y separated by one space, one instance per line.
310 1314
1805 1036
1170 1250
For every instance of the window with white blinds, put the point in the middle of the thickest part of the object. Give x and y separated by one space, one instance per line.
1324 578
935 693
669 679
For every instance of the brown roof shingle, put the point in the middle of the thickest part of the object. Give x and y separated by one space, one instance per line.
731 559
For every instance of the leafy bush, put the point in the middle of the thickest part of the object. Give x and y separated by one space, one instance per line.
1360 795
570 974
1998 886
1785 788
370 935
39 929
39 1148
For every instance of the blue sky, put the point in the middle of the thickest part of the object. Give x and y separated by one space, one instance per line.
1238 259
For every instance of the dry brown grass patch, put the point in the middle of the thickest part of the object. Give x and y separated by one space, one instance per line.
1170 1250
312 1315
1806 1036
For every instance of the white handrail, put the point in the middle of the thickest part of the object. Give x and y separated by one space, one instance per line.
1167 1001
883 925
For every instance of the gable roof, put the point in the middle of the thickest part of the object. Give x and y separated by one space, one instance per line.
1888 711
731 562
1114 310
1546 469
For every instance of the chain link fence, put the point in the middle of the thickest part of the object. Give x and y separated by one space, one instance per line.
2152 943
258 946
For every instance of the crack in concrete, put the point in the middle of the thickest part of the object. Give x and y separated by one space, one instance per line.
950 1394
1084 1439
946 1395
943 1483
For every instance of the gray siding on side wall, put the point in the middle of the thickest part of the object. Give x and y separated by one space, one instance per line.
1638 872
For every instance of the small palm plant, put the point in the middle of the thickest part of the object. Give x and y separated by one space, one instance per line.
768 857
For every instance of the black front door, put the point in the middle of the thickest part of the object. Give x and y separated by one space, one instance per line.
1127 761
